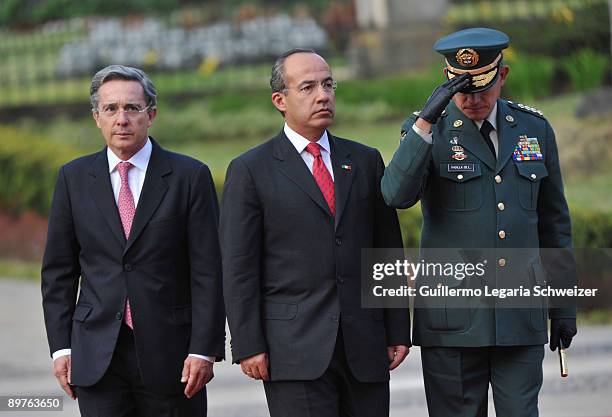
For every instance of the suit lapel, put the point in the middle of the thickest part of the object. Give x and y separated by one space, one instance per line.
101 192
291 164
344 172
469 136
153 191
506 133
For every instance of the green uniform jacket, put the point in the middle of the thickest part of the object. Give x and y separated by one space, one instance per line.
471 200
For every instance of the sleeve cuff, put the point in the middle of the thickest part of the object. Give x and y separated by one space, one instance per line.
427 137
60 353
206 358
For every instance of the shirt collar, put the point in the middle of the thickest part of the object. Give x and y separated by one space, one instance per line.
492 118
140 159
300 142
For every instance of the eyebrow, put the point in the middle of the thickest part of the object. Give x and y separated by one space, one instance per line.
314 81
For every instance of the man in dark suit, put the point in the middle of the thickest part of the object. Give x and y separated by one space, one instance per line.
133 230
296 212
487 173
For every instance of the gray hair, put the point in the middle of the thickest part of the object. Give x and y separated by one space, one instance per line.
120 72
277 79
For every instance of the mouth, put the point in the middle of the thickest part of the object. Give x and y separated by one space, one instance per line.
324 112
122 133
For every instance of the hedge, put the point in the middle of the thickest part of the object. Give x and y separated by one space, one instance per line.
28 168
29 165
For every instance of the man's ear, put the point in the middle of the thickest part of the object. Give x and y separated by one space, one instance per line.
503 73
152 114
96 117
278 99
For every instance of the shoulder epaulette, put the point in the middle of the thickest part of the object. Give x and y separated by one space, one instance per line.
526 109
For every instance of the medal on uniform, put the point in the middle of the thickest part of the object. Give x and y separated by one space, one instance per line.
458 153
527 149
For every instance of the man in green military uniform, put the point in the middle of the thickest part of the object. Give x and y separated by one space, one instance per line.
487 173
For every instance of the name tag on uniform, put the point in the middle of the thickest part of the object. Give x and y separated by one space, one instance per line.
460 167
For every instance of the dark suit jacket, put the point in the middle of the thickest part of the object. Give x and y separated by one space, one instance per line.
169 268
292 270
460 203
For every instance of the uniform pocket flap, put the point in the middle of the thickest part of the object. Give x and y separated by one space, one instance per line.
533 171
460 172
81 312
280 311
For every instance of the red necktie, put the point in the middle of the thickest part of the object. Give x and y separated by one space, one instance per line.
322 176
127 209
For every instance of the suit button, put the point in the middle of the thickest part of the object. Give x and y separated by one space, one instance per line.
338 241
119 315
502 234
498 179
501 262
501 206
340 279
439 285
127 267
533 176
459 177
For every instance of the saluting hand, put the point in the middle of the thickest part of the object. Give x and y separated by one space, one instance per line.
441 96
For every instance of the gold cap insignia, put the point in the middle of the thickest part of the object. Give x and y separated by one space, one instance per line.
457 148
467 57
457 123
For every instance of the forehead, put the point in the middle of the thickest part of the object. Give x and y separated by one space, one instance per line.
117 91
305 66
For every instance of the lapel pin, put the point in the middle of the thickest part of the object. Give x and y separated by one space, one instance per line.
346 167
509 118
457 123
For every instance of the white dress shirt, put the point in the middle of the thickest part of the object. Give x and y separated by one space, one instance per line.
136 177
428 136
300 143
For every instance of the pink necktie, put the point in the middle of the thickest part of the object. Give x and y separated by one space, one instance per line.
127 209
322 176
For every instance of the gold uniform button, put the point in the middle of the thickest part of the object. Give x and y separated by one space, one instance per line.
459 177
501 262
501 206
502 234
497 179
534 176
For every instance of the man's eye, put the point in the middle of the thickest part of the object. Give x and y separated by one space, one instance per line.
306 88
110 108
131 108
328 85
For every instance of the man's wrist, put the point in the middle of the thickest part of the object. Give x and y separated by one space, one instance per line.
210 359
60 353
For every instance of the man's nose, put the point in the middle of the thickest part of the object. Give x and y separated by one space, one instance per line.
122 118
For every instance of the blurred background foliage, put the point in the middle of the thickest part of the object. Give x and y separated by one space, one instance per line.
214 109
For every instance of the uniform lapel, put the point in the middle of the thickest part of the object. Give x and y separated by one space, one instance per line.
101 192
153 191
344 172
506 133
291 165
469 135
